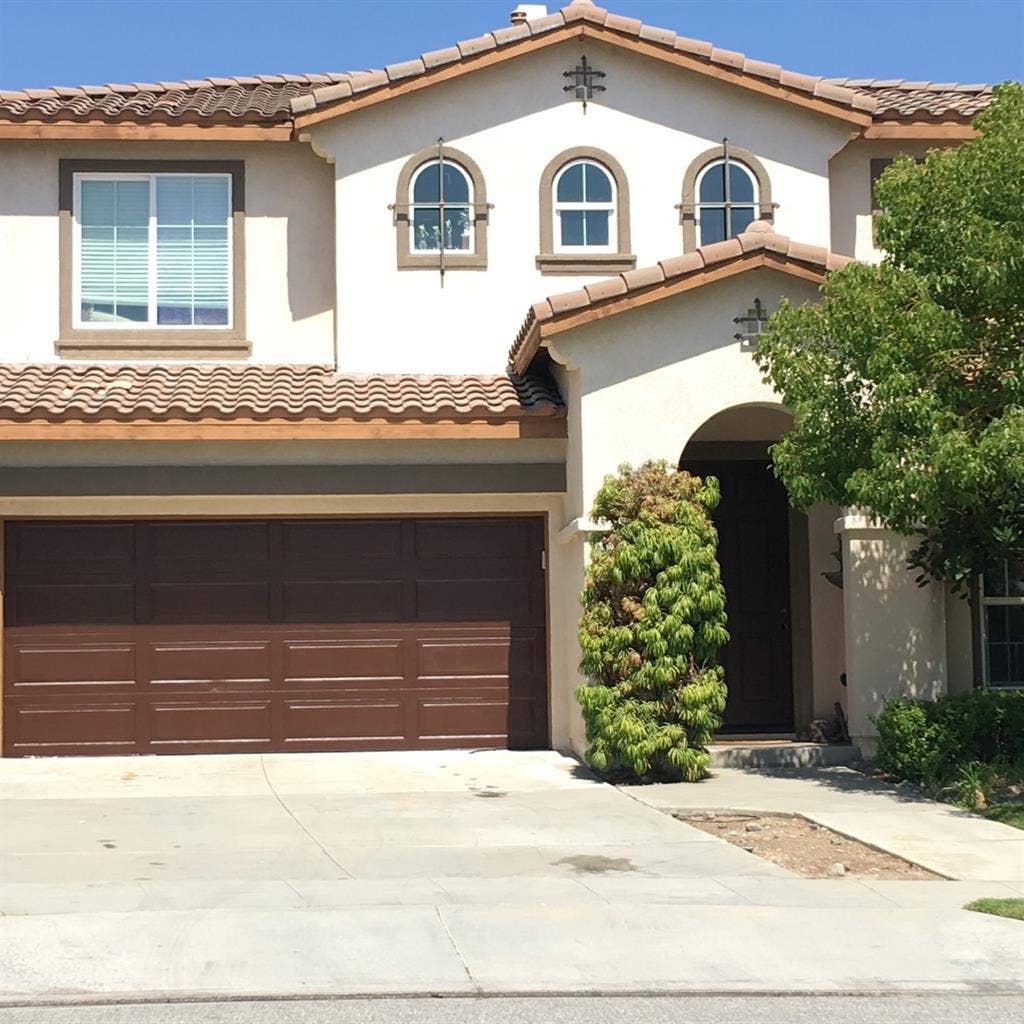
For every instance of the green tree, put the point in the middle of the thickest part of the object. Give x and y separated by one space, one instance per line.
907 380
653 622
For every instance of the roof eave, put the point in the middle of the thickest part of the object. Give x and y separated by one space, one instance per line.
130 130
952 130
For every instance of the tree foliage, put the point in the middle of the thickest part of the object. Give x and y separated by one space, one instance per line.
652 625
907 380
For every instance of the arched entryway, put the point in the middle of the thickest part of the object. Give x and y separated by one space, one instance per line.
762 549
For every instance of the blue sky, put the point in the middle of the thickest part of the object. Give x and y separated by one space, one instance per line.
97 41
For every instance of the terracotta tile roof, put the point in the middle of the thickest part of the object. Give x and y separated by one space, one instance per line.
691 268
218 391
275 99
581 12
259 99
919 101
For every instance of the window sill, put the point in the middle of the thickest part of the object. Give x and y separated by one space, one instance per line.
584 263
452 261
153 345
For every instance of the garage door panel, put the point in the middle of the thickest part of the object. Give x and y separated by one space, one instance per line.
202 602
223 544
276 635
456 656
37 546
475 600
53 728
67 601
459 720
338 723
240 723
210 665
331 542
52 667
526 718
342 601
473 538
340 662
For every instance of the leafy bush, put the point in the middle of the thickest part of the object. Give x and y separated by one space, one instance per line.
652 625
964 741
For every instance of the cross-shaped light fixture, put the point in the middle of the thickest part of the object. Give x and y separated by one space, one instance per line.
583 82
753 322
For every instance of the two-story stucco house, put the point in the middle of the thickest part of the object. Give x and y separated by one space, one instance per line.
296 455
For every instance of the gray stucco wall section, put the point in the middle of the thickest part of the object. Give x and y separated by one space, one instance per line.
481 478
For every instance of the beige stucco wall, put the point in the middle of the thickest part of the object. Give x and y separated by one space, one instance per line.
895 629
959 642
850 191
512 120
289 243
827 633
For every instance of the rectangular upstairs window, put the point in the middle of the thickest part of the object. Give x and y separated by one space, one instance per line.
152 251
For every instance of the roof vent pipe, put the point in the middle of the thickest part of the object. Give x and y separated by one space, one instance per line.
528 12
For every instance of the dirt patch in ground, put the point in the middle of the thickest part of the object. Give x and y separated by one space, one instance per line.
802 846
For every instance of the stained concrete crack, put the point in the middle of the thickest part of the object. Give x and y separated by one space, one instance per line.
291 814
458 952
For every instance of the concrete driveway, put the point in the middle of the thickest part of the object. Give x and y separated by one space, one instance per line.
445 872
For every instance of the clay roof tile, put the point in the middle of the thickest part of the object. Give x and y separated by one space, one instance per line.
218 391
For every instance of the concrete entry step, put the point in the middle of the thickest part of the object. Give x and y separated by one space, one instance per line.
782 754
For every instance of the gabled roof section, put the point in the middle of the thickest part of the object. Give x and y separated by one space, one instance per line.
582 19
758 247
269 107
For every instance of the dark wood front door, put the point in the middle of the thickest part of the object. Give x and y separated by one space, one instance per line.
192 636
753 550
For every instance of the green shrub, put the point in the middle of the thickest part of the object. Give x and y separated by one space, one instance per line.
951 741
653 622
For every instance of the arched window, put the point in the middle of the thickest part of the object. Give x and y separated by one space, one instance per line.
441 208
724 189
584 214
441 212
726 201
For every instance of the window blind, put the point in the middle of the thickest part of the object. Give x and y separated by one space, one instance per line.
115 250
192 250
178 223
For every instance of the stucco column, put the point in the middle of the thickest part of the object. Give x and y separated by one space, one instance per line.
895 629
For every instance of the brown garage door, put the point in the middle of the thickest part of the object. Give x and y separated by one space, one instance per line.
197 636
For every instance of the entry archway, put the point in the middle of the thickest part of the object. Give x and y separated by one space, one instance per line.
764 551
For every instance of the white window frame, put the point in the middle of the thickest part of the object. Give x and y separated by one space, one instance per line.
150 323
611 208
468 206
985 603
754 204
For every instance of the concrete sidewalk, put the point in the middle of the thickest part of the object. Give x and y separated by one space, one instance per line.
944 839
466 872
